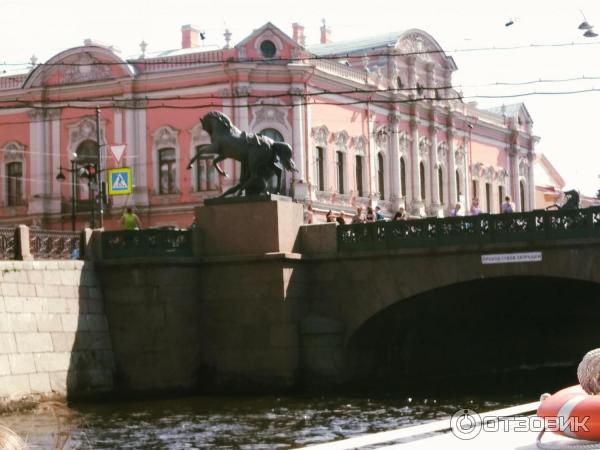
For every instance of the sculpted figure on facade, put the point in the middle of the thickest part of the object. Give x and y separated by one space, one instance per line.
404 143
442 152
424 146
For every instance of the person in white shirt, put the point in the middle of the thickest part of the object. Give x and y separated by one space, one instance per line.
475 210
456 210
507 206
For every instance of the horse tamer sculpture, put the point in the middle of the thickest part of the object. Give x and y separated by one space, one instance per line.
260 156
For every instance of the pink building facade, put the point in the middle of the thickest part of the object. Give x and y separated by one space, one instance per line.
373 121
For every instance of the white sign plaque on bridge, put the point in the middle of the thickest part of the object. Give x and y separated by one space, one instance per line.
507 258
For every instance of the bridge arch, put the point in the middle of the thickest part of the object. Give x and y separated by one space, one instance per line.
367 284
506 332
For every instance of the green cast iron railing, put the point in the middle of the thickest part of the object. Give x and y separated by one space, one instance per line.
483 228
143 243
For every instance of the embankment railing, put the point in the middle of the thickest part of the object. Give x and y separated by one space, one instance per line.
483 228
150 242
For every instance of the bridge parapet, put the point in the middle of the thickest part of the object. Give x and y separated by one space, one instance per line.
483 228
146 243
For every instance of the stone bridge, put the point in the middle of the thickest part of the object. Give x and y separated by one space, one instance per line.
252 298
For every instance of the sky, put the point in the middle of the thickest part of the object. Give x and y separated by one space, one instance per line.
549 47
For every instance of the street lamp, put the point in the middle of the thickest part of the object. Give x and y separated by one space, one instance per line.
88 171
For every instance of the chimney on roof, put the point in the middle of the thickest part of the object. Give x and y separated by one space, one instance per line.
325 33
298 33
190 36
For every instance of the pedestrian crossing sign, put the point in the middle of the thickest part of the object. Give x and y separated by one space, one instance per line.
119 181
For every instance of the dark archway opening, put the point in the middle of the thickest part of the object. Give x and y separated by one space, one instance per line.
514 335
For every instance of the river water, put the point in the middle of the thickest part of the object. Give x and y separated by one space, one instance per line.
265 422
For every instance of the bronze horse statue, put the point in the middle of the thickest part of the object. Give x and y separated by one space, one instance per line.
260 156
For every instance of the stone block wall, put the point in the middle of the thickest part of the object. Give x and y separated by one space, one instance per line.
54 336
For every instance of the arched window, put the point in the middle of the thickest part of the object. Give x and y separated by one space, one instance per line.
167 171
500 197
14 183
488 197
422 179
165 159
522 195
359 175
320 168
380 177
273 134
402 177
441 184
475 191
458 186
14 166
339 171
206 174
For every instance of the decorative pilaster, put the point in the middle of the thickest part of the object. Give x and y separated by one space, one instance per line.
452 191
514 176
300 183
55 187
416 202
436 203
372 157
395 161
531 181
38 154
135 133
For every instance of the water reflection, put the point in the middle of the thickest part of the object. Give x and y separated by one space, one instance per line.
266 422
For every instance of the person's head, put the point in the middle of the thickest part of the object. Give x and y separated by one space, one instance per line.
457 207
507 198
401 209
129 210
377 208
369 210
359 210
309 207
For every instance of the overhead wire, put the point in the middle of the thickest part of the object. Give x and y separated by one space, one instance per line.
309 57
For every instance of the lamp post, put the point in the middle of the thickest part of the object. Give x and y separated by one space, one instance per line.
61 177
88 171
98 176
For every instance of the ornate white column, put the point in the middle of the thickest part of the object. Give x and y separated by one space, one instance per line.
38 154
372 158
298 132
395 195
118 201
452 193
436 203
416 202
55 152
300 188
137 149
531 181
514 177
118 126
